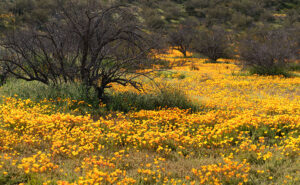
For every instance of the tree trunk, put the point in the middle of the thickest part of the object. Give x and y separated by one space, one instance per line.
184 53
100 92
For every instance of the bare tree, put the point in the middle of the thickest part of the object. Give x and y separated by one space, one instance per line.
213 43
181 38
84 42
268 52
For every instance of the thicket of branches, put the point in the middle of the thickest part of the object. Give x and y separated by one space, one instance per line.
182 36
213 43
82 41
269 52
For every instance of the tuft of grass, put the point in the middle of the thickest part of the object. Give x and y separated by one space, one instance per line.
171 75
37 92
12 178
194 67
166 97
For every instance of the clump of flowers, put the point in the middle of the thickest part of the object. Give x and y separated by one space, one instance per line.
229 171
39 163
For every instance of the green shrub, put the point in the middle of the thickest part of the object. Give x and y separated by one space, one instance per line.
166 97
275 70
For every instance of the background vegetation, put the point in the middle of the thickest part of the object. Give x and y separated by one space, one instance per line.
179 23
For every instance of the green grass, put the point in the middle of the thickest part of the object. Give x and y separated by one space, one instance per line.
12 179
171 74
115 101
38 91
294 67
167 97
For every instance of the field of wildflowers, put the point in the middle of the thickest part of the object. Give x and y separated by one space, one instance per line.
246 132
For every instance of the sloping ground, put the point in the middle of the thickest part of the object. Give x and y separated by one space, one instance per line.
247 133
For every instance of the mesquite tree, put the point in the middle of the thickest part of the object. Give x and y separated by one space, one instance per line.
269 52
213 43
181 38
83 41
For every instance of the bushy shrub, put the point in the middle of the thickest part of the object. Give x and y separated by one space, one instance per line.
166 97
268 52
